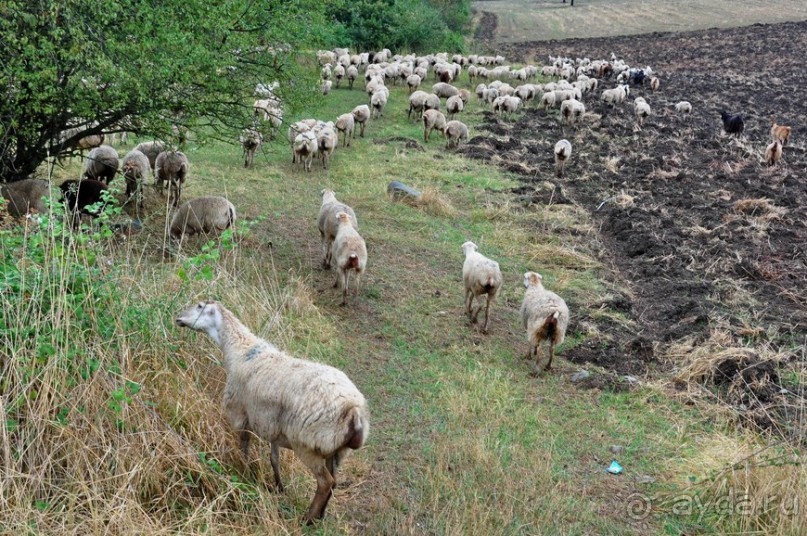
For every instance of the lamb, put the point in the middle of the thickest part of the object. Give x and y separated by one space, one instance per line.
25 195
454 105
326 86
455 133
732 124
79 196
209 214
101 164
251 141
345 124
378 102
304 148
444 91
773 153
328 224
361 114
563 150
545 317
780 133
349 252
481 275
433 120
655 83
311 408
352 74
135 169
683 107
327 140
152 150
642 110
171 166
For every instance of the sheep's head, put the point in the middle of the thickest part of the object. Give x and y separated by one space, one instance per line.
342 218
533 279
327 196
468 247
204 316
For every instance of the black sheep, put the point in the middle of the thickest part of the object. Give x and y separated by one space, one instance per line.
637 78
732 124
78 195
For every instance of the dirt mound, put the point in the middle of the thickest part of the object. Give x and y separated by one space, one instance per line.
486 31
697 227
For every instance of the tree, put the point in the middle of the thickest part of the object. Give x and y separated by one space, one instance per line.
75 68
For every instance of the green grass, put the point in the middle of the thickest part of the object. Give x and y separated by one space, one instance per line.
463 440
523 20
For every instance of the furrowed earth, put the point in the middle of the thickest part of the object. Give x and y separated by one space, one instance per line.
704 235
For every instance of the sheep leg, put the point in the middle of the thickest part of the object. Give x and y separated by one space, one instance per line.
475 316
469 298
325 484
275 459
326 251
487 312
245 436
344 287
551 355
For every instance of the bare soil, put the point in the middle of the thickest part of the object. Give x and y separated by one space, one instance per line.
699 229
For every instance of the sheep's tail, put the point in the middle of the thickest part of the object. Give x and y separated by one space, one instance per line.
358 427
489 285
352 261
547 330
230 217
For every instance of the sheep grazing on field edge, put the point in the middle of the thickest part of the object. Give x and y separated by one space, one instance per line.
136 170
481 275
24 196
171 167
308 407
545 317
101 164
208 214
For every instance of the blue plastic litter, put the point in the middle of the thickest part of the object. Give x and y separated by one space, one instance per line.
614 468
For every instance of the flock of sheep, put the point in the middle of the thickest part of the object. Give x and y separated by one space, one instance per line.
311 408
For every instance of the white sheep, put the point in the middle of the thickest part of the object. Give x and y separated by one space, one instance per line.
352 74
548 100
338 74
101 164
345 124
433 120
349 253
683 107
251 140
171 167
563 150
328 224
327 140
455 133
480 275
444 91
361 114
413 81
571 111
304 148
326 86
642 110
416 103
151 149
545 317
454 105
378 102
311 408
135 169
208 214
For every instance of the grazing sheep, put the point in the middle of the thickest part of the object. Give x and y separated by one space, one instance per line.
413 81
352 74
464 96
345 124
455 133
683 107
378 102
80 195
444 90
545 317
732 124
328 224
481 275
311 408
642 110
655 83
327 140
304 148
209 214
173 167
361 114
433 120
548 100
135 169
101 164
571 111
454 105
480 91
349 252
773 153
152 150
563 150
432 102
24 196
251 141
780 133
416 103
